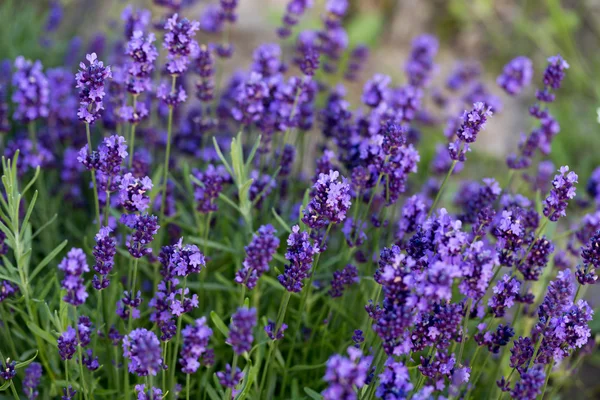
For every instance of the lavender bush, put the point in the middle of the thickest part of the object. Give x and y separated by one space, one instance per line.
169 230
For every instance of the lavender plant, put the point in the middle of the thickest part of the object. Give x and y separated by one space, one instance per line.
316 264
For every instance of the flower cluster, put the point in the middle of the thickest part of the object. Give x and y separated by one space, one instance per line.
90 82
259 254
300 254
74 265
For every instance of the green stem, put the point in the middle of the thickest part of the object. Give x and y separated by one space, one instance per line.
132 138
187 387
167 153
439 193
97 203
13 390
80 358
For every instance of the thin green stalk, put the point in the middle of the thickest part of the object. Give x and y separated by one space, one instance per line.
187 387
80 358
13 390
439 193
97 203
167 153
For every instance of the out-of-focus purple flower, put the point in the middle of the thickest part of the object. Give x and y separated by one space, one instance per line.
558 297
516 75
67 344
537 259
334 12
90 82
171 97
228 10
272 332
153 393
358 338
249 97
133 193
375 90
394 137
563 189
356 62
195 343
74 265
343 279
142 348
300 254
180 43
521 353
145 227
330 201
31 94
204 66
89 361
135 20
84 330
259 254
33 376
420 66
55 16
394 381
293 12
267 60
68 393
555 72
261 187
343 374
505 291
530 385
463 74
7 289
211 20
473 122
240 337
207 194
593 185
590 253
228 379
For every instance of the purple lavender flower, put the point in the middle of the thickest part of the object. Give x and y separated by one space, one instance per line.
516 75
135 20
494 340
300 254
89 361
145 227
394 137
505 292
84 330
330 201
143 54
204 66
195 343
67 344
530 385
563 189
356 62
590 253
473 122
33 376
31 93
343 279
478 264
142 348
90 82
7 289
212 184
180 43
55 16
293 12
521 353
128 305
259 254
68 393
228 10
344 374
240 337
7 369
170 97
555 72
249 97
272 332
153 393
211 20
74 265
420 66
230 380
558 297
537 259
133 192
358 338
463 74
267 60
394 381
375 90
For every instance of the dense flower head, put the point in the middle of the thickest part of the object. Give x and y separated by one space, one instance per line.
229 379
31 91
204 66
343 374
7 369
558 297
537 259
90 82
142 348
375 90
259 254
300 254
135 20
143 54
273 331
195 343
330 202
555 72
67 344
267 60
7 289
133 192
590 254
394 137
521 352
293 12
516 75
356 62
144 228
74 265
249 97
563 189
478 264
473 122
180 43
505 291
128 305
243 322
33 376
394 381
530 385
152 393
171 97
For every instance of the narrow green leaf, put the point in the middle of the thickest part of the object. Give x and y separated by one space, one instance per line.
47 260
312 394
212 393
211 244
27 362
8 278
306 367
252 153
219 323
42 333
283 224
29 211
31 182
222 157
5 386
229 202
41 228
302 208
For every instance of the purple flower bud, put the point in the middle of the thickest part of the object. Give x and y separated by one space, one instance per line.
555 72
356 62
90 82
240 337
180 43
74 265
558 297
7 289
152 393
67 344
259 254
343 374
33 376
294 11
563 189
394 381
343 279
68 393
230 380
272 332
133 193
145 227
249 97
330 201
207 194
31 93
530 385
143 54
135 20
195 343
420 66
300 254
505 291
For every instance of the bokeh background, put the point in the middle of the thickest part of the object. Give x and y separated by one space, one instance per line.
491 32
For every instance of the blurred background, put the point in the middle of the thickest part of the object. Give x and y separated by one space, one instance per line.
491 32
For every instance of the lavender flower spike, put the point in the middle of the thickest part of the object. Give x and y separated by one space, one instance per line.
240 337
74 265
142 348
259 254
563 189
516 75
330 202
90 82
300 254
